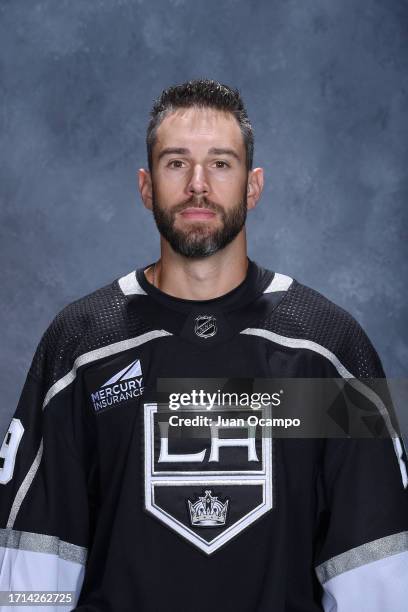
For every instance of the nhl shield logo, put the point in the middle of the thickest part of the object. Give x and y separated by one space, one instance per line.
206 483
205 326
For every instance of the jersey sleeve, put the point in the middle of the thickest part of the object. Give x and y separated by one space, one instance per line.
361 557
45 474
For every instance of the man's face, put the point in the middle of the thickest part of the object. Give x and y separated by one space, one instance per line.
199 181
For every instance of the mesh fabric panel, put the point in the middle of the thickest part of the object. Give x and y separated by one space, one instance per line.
305 313
93 321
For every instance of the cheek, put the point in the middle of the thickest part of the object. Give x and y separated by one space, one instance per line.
165 190
223 178
229 184
227 191
169 183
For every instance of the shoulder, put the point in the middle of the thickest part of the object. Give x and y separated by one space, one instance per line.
308 315
97 319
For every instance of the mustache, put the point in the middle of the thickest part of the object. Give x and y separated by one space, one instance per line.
197 203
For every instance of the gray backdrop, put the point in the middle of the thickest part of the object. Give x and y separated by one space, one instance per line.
325 84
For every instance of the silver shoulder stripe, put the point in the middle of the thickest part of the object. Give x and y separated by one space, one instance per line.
62 383
300 343
361 555
25 485
280 282
110 349
344 373
130 285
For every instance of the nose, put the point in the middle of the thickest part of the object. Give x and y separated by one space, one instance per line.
197 184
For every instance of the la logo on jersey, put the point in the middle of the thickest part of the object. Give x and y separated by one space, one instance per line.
207 483
124 385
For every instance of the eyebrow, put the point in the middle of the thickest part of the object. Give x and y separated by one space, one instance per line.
184 151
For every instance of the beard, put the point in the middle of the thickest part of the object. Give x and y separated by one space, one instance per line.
199 240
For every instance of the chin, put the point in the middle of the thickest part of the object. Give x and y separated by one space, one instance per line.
199 227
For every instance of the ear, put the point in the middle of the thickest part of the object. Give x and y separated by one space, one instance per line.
145 188
255 186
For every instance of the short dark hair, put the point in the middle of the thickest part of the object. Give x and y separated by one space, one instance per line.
201 93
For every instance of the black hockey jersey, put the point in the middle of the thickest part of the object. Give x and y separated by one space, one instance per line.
102 495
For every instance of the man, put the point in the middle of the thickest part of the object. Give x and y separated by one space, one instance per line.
104 494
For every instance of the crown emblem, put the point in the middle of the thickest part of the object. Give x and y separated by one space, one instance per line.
208 511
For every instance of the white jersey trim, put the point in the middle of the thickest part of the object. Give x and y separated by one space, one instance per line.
361 555
377 586
130 285
41 571
280 282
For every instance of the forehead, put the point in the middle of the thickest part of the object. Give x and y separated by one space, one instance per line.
201 127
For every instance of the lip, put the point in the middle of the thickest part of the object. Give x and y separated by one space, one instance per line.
197 213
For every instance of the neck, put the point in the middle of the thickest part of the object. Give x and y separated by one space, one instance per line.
200 279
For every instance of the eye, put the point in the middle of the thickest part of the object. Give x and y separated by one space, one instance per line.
223 164
178 163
